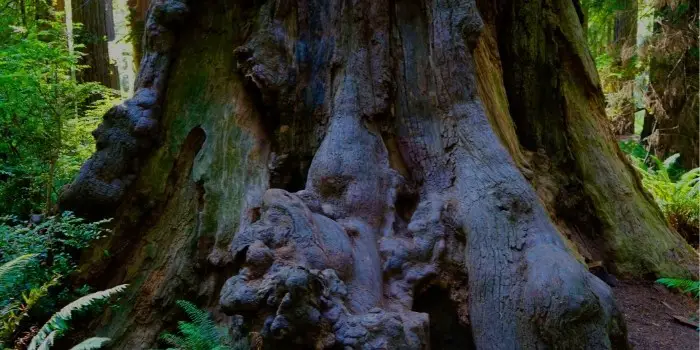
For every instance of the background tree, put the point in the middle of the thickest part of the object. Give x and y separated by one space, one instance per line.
137 18
326 169
612 37
672 124
44 138
97 28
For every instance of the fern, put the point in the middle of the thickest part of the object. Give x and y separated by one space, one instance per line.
11 269
58 323
92 344
48 342
687 286
676 193
13 314
202 333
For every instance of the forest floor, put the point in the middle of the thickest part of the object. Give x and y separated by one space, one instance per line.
649 310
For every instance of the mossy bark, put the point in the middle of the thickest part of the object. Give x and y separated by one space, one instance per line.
318 167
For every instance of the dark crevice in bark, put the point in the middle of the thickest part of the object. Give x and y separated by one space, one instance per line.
572 105
534 109
270 119
183 164
181 192
530 79
407 200
446 330
151 211
289 172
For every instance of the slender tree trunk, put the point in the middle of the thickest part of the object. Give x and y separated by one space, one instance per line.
23 11
624 50
48 203
70 38
325 169
673 85
55 153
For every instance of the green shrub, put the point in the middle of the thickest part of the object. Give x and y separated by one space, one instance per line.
45 113
56 242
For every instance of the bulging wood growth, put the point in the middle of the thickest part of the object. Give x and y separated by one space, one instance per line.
328 168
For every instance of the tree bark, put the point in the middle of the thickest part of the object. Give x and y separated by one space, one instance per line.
673 85
322 168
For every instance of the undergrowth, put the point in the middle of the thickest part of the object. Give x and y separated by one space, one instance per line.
59 323
202 333
676 191
35 259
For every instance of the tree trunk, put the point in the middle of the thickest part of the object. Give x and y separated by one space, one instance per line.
325 169
623 50
137 19
23 12
673 85
97 29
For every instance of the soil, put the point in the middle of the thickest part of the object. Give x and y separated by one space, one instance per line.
649 309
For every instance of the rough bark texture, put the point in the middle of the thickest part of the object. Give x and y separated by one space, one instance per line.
326 168
673 124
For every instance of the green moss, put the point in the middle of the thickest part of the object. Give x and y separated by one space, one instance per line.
635 234
151 250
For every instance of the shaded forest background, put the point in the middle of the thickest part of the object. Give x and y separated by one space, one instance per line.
64 65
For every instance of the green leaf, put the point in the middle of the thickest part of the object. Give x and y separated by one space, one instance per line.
92 343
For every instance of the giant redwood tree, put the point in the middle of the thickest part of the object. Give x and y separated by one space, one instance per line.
370 174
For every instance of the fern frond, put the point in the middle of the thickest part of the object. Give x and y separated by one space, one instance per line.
48 342
10 269
12 317
195 336
93 343
80 303
668 162
172 339
59 321
202 333
687 286
202 330
193 312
